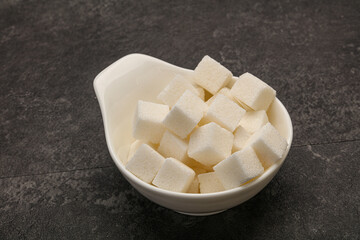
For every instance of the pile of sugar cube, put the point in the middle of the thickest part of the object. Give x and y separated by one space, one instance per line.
191 145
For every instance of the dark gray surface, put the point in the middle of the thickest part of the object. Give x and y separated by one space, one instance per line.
57 179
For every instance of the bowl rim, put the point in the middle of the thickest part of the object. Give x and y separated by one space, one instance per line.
128 175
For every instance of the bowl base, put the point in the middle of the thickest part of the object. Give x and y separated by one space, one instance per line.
201 214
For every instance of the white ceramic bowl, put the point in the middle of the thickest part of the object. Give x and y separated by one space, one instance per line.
137 76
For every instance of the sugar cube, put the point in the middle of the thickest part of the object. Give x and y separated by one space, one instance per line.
173 91
148 121
201 93
174 176
254 120
134 146
172 146
194 186
240 138
268 144
244 106
209 183
210 144
239 168
145 163
224 112
185 114
211 75
253 92
231 82
226 91
221 91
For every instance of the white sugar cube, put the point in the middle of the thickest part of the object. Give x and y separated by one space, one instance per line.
145 163
240 138
268 144
185 115
211 75
172 146
227 92
244 106
209 144
173 91
134 146
194 186
239 168
231 82
148 121
209 183
254 120
224 112
201 93
253 92
174 176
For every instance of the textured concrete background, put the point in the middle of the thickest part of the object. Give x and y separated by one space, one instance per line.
57 180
